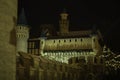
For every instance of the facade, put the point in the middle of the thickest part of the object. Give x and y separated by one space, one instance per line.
67 44
67 55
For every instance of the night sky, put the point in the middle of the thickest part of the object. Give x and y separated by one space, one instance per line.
82 15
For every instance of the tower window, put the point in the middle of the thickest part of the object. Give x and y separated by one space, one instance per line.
64 40
54 41
81 40
75 40
59 41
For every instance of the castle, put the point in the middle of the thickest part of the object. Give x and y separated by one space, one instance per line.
66 44
68 55
71 57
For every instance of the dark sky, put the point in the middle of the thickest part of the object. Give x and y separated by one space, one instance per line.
82 14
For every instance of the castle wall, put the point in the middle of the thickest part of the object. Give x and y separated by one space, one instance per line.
68 44
63 49
8 17
64 56
31 67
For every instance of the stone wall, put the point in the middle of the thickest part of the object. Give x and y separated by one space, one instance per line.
8 17
68 44
31 67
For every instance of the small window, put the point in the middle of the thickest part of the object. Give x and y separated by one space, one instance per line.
59 41
64 40
81 40
54 41
75 40
70 40
41 42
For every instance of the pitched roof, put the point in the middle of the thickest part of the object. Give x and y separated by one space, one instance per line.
22 18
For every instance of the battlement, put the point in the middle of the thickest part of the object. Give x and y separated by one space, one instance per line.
22 31
22 28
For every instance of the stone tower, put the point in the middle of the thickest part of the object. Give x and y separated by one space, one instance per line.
64 23
8 17
22 33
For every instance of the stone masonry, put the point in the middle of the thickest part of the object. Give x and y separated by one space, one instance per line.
8 17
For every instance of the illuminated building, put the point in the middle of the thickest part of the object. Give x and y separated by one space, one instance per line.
67 55
83 44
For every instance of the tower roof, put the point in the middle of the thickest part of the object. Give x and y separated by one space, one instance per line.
64 14
22 18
